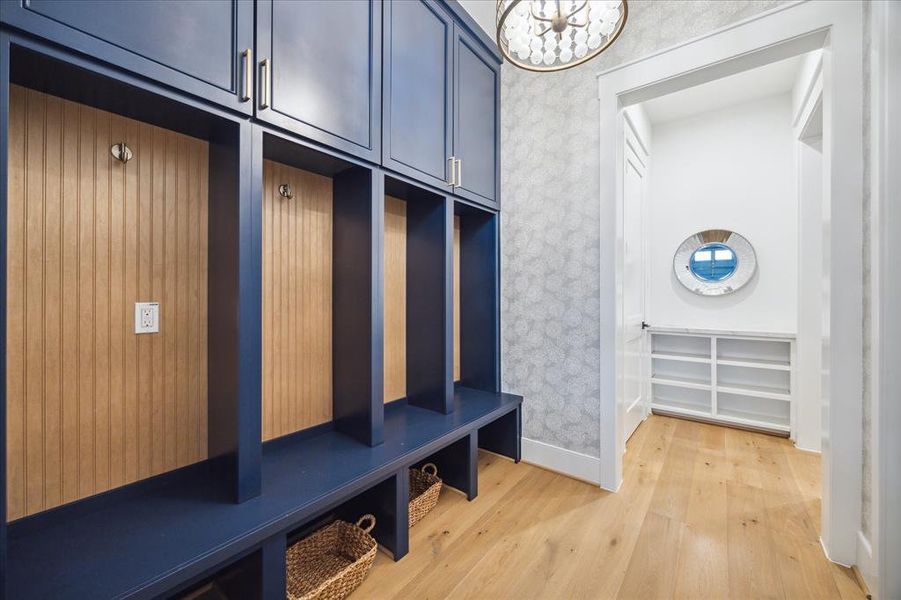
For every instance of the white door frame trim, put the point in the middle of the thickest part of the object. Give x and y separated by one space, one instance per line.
836 26
886 326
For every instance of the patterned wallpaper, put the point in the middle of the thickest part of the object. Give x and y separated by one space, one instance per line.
549 181
550 223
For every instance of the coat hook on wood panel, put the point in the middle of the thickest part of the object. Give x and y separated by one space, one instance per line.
286 191
121 152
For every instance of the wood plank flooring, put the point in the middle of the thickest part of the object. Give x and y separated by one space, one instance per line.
704 512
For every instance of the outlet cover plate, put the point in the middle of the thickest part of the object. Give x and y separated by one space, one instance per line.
147 317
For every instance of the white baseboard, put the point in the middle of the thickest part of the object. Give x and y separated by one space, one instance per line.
810 450
574 464
826 554
865 563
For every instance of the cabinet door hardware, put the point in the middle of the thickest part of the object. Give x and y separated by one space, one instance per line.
452 178
266 84
247 55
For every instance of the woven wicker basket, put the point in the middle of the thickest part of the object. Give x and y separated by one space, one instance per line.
332 562
424 489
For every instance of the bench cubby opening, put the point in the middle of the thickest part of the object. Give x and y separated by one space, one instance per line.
503 435
457 465
240 579
387 502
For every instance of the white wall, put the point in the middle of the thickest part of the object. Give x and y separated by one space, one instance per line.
727 169
483 11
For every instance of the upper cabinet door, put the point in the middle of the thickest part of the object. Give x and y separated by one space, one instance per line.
321 61
418 107
476 126
201 47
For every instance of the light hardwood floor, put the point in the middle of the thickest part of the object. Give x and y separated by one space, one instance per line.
704 512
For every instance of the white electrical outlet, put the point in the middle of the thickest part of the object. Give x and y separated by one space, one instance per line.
147 317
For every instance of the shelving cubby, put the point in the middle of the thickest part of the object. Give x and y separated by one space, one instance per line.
476 286
688 348
91 406
678 397
763 353
417 296
727 377
101 421
754 410
320 233
677 372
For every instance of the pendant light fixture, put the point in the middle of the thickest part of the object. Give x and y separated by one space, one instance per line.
553 35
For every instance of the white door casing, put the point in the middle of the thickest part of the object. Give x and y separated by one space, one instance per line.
635 396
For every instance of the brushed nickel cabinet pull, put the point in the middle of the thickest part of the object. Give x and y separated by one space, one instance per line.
266 84
248 74
452 177
459 172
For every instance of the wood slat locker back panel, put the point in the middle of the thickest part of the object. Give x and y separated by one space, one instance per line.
93 406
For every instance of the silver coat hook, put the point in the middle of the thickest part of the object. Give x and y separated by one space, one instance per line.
286 191
121 152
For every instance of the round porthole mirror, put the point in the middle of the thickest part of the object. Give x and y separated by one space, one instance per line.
715 262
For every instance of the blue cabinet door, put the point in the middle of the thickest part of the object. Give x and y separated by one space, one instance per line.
416 121
201 47
321 61
476 120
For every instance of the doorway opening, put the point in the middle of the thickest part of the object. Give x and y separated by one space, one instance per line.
713 264
819 144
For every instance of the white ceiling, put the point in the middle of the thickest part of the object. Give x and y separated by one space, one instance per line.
768 80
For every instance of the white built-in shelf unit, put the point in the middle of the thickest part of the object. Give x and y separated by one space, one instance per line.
735 378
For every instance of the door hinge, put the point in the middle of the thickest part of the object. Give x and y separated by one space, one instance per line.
645 325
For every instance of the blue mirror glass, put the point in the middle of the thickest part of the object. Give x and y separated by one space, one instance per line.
713 262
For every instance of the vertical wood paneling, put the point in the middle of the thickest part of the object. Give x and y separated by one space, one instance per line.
70 324
15 305
395 356
145 342
53 298
101 266
91 405
456 298
131 291
120 318
34 299
297 301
